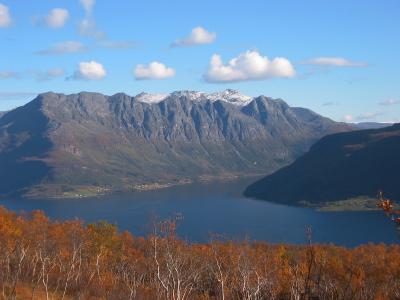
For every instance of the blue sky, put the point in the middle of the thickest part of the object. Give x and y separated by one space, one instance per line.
338 58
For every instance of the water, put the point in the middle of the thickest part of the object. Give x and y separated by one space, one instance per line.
219 208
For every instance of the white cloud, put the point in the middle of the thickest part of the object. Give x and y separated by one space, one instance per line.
9 75
5 17
249 65
198 36
390 101
88 5
154 70
57 18
67 47
88 27
334 62
89 70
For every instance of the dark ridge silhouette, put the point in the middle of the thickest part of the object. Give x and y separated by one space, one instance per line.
338 167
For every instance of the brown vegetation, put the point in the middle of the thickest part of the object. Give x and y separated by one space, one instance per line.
388 206
41 259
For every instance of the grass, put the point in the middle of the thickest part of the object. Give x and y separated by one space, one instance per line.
361 203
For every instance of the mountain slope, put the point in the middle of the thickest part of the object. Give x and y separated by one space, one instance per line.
338 167
59 143
372 125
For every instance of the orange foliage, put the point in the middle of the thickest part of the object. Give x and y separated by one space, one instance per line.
387 206
41 259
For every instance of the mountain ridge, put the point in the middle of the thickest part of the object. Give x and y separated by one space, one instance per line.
93 142
339 167
372 125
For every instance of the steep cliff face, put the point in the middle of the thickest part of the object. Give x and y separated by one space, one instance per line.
90 139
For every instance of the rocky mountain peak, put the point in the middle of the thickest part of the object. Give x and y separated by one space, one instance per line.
229 95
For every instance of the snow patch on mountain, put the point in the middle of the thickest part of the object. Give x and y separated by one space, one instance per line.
150 98
229 95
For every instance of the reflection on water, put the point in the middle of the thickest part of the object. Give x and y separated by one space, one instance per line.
211 208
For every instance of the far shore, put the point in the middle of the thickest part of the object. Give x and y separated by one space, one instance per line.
361 203
81 192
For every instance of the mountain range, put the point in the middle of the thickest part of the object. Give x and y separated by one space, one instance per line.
338 167
372 125
63 145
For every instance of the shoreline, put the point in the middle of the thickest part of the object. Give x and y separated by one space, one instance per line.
361 203
82 192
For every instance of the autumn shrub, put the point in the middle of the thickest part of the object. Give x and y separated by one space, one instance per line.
44 259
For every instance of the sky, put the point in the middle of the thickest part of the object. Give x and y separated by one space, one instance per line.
338 58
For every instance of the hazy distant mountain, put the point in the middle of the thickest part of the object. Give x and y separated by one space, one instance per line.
59 143
338 167
372 125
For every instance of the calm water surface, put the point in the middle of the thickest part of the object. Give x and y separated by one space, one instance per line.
211 208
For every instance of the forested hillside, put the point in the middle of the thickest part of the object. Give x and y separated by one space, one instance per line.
40 259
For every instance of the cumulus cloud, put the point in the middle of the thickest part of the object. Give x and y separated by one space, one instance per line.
389 102
334 62
249 65
63 48
5 16
198 36
154 70
57 18
89 70
9 75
